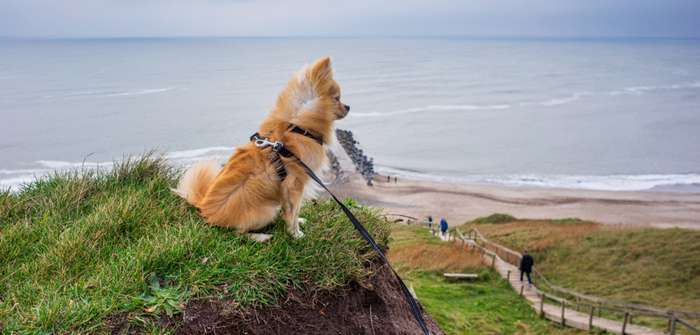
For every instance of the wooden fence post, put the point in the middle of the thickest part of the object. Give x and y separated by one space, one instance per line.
493 261
522 287
673 325
590 319
624 323
508 276
544 296
563 319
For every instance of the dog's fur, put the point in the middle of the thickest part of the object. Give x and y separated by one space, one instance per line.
246 193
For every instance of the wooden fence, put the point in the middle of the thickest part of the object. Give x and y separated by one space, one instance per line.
579 301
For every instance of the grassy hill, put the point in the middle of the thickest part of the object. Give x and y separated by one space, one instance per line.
80 250
485 306
657 267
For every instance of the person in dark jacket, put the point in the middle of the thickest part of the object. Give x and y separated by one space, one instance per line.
526 263
443 227
430 221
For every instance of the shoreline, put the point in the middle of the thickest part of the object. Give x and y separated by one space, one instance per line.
463 202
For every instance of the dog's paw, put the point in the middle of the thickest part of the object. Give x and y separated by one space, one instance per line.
301 221
260 237
297 234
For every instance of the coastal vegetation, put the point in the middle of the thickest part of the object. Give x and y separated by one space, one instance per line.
485 306
81 249
641 265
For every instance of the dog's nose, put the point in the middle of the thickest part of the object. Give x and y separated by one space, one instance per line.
347 107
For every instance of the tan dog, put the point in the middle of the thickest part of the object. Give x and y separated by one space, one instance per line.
247 192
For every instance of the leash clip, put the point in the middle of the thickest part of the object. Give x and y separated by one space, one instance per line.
264 143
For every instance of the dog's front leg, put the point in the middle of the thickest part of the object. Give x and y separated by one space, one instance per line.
292 196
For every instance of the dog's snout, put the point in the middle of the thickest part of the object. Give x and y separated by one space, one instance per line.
347 108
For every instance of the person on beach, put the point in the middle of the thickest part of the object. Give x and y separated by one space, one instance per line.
443 228
430 221
526 263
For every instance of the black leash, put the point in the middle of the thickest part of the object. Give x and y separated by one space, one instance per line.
282 151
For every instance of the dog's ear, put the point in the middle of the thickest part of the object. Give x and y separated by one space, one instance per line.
321 71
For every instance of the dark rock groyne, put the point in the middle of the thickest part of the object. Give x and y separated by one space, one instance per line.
363 164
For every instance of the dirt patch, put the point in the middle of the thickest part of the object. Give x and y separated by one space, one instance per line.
378 307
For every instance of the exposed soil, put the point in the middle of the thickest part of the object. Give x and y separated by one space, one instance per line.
376 308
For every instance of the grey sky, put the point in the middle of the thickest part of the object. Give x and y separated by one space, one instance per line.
594 18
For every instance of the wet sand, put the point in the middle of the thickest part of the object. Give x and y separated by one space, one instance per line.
462 202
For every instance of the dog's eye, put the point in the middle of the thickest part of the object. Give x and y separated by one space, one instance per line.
337 98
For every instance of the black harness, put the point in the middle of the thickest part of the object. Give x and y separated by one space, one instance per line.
280 150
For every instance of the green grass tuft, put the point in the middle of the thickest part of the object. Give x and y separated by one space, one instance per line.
79 247
494 219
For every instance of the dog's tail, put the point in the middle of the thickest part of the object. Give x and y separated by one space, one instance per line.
196 181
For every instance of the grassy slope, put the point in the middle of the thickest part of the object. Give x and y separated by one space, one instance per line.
658 267
76 249
486 306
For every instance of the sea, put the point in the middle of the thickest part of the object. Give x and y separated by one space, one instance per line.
603 114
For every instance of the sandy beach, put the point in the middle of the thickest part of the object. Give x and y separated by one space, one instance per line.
459 203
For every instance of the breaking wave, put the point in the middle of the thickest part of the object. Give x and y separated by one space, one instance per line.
434 108
639 182
111 93
15 178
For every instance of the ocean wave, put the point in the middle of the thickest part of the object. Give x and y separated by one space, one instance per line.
62 165
565 100
639 90
434 108
21 171
140 92
599 182
632 90
15 178
110 93
616 182
15 183
196 152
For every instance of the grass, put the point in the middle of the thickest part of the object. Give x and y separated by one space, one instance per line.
495 218
536 235
657 267
79 248
486 306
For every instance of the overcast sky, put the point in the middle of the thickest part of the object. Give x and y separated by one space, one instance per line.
114 18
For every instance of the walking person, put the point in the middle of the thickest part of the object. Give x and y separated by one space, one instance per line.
443 228
526 263
430 222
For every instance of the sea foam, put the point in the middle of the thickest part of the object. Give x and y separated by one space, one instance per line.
613 182
15 178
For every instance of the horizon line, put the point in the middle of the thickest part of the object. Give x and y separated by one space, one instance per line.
350 36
